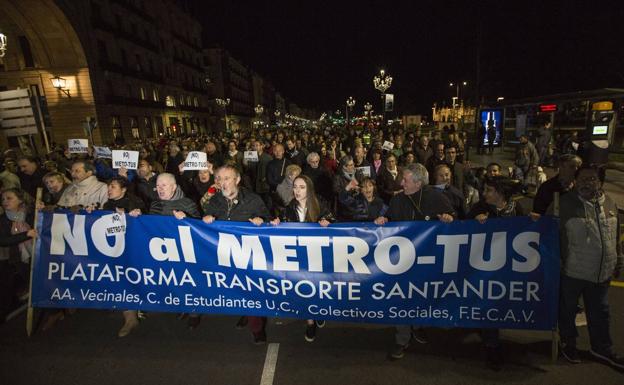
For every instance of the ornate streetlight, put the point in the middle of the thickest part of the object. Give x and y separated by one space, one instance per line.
367 111
350 104
259 110
277 114
382 82
60 84
224 103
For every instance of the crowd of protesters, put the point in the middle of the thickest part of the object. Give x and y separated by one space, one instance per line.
319 175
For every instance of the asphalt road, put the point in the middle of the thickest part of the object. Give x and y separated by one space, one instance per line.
84 349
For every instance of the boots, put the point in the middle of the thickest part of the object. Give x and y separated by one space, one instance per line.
131 321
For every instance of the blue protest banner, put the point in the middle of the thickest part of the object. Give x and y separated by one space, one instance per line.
503 274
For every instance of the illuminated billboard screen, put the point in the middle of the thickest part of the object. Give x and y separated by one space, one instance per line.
492 121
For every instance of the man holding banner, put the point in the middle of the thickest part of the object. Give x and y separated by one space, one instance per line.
241 205
417 202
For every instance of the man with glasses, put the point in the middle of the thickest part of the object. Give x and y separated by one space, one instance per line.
591 256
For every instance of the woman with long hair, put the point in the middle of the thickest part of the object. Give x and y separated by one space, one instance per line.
306 207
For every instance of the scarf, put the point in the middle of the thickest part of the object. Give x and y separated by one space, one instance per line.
348 175
19 225
377 164
508 211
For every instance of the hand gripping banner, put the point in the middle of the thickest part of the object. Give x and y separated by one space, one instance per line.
503 274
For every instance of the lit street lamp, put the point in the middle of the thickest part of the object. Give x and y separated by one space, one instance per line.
457 85
224 103
350 104
382 82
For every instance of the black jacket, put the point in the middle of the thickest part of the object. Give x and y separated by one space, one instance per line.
178 202
359 209
290 212
128 202
426 204
245 206
13 240
276 171
146 189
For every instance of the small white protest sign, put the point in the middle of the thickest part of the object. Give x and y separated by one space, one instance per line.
125 158
365 170
114 223
388 145
78 146
251 156
196 160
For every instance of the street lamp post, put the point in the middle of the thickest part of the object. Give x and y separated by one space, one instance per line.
368 109
382 82
224 103
277 114
259 110
457 85
350 104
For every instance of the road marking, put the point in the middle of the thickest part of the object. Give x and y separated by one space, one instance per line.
617 283
268 372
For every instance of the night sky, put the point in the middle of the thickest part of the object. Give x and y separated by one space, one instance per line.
319 53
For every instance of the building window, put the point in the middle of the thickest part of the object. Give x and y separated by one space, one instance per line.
195 101
181 100
142 91
29 61
188 101
155 94
170 101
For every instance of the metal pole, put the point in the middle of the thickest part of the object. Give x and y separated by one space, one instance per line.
31 311
40 113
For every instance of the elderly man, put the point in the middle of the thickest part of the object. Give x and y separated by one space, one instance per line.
171 202
241 205
85 190
320 177
591 256
561 183
417 202
171 199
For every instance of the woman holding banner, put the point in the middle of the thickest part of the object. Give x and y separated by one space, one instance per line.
16 235
497 202
308 208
